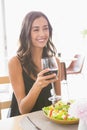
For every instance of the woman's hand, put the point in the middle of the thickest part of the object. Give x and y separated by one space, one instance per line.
43 80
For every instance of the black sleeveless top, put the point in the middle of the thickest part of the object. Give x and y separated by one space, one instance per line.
41 101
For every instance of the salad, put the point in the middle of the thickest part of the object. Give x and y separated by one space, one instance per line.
59 111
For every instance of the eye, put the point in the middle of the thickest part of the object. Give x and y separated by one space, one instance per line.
35 30
46 28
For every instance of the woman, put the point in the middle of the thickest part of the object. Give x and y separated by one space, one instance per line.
31 89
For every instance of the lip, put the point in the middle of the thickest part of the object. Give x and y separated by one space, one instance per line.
42 40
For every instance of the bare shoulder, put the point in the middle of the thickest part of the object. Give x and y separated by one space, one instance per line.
14 63
14 60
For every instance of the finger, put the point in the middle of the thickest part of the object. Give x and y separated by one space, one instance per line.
43 72
50 76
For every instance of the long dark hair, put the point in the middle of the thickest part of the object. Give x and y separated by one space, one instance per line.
24 52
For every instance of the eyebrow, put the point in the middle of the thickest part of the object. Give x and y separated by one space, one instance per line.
38 26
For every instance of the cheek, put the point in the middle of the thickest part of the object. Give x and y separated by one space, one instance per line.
33 37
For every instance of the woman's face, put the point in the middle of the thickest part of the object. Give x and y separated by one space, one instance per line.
39 32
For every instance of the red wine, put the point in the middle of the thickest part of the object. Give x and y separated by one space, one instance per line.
51 72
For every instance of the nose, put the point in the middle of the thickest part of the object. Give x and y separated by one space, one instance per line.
41 32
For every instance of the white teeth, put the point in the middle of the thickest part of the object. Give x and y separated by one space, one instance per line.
40 40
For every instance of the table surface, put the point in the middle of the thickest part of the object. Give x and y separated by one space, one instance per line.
22 123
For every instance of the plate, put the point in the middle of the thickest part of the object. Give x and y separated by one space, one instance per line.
64 122
58 113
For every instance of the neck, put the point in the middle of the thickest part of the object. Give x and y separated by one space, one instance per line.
37 53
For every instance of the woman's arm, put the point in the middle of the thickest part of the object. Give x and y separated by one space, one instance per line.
26 102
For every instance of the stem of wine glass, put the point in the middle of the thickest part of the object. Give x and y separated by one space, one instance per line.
53 90
54 98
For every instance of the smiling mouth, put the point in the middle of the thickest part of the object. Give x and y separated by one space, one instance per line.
41 40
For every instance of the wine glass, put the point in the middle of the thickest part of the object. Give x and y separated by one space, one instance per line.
50 62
